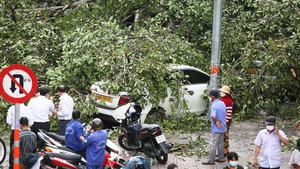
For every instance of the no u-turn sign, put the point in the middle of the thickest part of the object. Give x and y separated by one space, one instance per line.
18 83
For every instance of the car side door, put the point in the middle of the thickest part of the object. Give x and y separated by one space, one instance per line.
195 82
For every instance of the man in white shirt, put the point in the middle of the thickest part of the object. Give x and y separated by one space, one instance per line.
268 143
42 109
64 112
10 119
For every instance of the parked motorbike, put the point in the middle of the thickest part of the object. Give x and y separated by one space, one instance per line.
146 138
68 161
56 143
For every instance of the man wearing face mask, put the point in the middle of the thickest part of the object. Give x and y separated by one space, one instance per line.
268 143
218 128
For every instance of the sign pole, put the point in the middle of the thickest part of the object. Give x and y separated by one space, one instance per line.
17 136
18 84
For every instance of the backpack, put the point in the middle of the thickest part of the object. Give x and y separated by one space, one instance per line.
137 162
31 159
234 106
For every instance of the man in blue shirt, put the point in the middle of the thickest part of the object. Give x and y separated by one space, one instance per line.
218 128
95 143
74 133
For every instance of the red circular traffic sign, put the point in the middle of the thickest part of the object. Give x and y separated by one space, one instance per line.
18 83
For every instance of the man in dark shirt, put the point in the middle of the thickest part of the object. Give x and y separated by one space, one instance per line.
27 141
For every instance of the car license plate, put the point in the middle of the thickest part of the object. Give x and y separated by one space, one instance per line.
160 139
105 98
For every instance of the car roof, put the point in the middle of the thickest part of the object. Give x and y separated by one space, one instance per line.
186 67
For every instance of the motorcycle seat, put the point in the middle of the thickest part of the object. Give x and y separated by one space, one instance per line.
56 136
66 149
66 156
71 158
145 127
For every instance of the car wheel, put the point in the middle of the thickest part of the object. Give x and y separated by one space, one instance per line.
154 115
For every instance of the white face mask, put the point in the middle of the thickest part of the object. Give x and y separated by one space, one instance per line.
209 98
222 94
270 128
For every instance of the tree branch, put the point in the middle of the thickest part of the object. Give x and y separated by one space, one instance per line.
53 8
11 12
295 8
61 10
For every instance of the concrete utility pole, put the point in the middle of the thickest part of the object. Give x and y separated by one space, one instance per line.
216 48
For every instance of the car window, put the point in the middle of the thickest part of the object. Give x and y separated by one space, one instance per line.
195 77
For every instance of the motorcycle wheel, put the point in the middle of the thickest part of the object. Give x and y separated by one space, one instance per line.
2 151
163 158
123 142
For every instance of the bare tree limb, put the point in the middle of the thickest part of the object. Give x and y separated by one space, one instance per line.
295 8
61 10
53 8
11 12
125 19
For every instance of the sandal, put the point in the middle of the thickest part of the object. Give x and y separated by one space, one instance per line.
217 155
208 163
220 161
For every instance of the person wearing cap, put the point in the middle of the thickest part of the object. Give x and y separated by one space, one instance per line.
95 142
218 128
295 158
42 109
226 98
268 144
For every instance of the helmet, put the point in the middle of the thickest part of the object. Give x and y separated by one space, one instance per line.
134 112
97 124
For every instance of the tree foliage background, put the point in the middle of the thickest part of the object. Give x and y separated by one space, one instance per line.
128 44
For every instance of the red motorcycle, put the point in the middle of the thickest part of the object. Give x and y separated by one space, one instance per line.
71 161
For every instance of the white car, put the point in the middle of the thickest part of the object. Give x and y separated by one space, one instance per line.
112 108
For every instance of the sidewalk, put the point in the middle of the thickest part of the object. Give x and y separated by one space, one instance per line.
242 136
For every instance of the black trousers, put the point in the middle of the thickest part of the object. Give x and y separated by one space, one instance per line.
268 168
40 125
62 126
11 155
